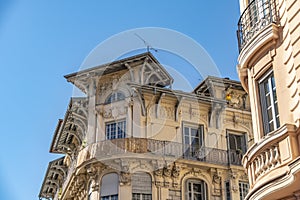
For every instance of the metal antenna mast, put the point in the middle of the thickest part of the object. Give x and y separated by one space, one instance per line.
149 47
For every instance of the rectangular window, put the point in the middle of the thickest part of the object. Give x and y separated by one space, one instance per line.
269 104
193 140
243 188
115 130
236 147
237 142
227 190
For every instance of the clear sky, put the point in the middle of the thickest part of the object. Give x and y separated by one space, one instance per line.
40 41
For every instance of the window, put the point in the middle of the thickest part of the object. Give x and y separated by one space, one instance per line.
269 104
227 190
243 188
237 142
141 186
193 139
236 147
115 96
110 197
115 130
196 190
90 191
109 187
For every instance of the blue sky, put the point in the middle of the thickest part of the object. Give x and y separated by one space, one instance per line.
40 41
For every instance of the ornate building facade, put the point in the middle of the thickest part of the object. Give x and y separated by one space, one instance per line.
134 138
269 70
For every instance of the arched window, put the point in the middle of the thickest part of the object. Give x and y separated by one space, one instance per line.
115 96
141 186
196 189
109 187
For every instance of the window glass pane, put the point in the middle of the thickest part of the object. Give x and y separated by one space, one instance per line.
195 142
271 126
116 96
115 130
197 188
266 84
186 131
194 132
269 106
232 142
186 140
270 114
268 100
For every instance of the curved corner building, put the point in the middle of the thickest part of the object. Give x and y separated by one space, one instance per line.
269 70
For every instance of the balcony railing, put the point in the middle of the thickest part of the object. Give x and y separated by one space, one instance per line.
118 147
258 15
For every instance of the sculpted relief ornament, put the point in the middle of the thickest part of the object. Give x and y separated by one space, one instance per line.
217 185
235 100
167 176
114 112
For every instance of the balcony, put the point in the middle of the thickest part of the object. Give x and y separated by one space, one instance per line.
117 148
270 164
256 17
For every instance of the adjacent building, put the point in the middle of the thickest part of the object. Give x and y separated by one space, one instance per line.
269 70
134 138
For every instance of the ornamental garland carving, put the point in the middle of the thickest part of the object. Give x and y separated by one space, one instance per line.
114 112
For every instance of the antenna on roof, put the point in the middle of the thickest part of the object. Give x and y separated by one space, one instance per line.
149 47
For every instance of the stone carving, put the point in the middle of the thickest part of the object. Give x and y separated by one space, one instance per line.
114 112
235 100
167 171
175 175
175 171
125 178
167 175
217 185
158 174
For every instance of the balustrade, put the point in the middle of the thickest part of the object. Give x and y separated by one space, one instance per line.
264 162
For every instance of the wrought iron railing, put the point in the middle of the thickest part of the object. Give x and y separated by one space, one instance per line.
116 147
258 15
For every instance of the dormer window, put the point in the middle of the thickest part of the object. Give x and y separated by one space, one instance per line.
115 96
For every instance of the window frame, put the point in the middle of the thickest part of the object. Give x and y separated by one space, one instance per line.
269 79
115 96
203 186
138 194
109 196
108 135
242 189
235 154
227 190
190 150
242 135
